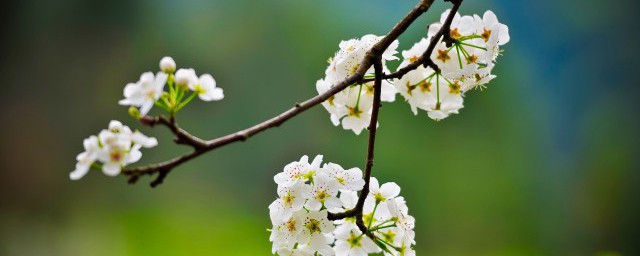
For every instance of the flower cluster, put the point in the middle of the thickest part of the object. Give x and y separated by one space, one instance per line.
149 90
118 146
463 65
308 191
112 149
352 107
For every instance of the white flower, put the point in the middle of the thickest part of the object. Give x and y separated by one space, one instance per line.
479 79
412 55
86 158
284 235
335 104
167 65
375 212
448 99
346 179
492 46
143 140
488 25
206 88
416 88
185 78
349 199
347 60
358 110
404 222
448 60
290 199
324 191
145 92
352 106
307 230
351 242
314 226
114 147
387 91
382 193
298 171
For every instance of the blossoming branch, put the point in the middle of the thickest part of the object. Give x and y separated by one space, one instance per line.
323 209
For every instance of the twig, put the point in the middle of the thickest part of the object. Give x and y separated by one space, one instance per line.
182 136
425 58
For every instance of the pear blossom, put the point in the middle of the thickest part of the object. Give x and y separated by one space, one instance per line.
324 192
347 60
298 171
291 199
113 148
306 230
206 88
86 158
167 65
358 110
145 92
335 104
448 99
488 24
382 193
404 222
351 242
184 78
314 226
352 106
350 179
284 235
416 87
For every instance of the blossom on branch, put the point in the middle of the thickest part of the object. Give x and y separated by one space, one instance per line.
352 107
306 230
111 150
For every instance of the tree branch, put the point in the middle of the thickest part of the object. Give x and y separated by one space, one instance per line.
199 148
425 58
182 136
373 127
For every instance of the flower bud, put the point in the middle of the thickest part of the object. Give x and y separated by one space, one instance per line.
134 112
167 65
184 77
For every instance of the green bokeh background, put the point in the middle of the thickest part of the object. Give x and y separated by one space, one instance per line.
544 162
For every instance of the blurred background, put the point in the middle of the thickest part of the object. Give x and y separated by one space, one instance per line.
543 162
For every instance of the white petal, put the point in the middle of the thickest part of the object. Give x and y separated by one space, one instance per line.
111 169
313 205
146 107
80 171
374 186
490 18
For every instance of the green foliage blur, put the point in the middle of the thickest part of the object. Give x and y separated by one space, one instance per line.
543 162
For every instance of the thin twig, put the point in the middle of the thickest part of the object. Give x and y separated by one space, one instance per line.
425 58
182 136
357 211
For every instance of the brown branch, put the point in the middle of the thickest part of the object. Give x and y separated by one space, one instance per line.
375 53
373 126
182 136
425 58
